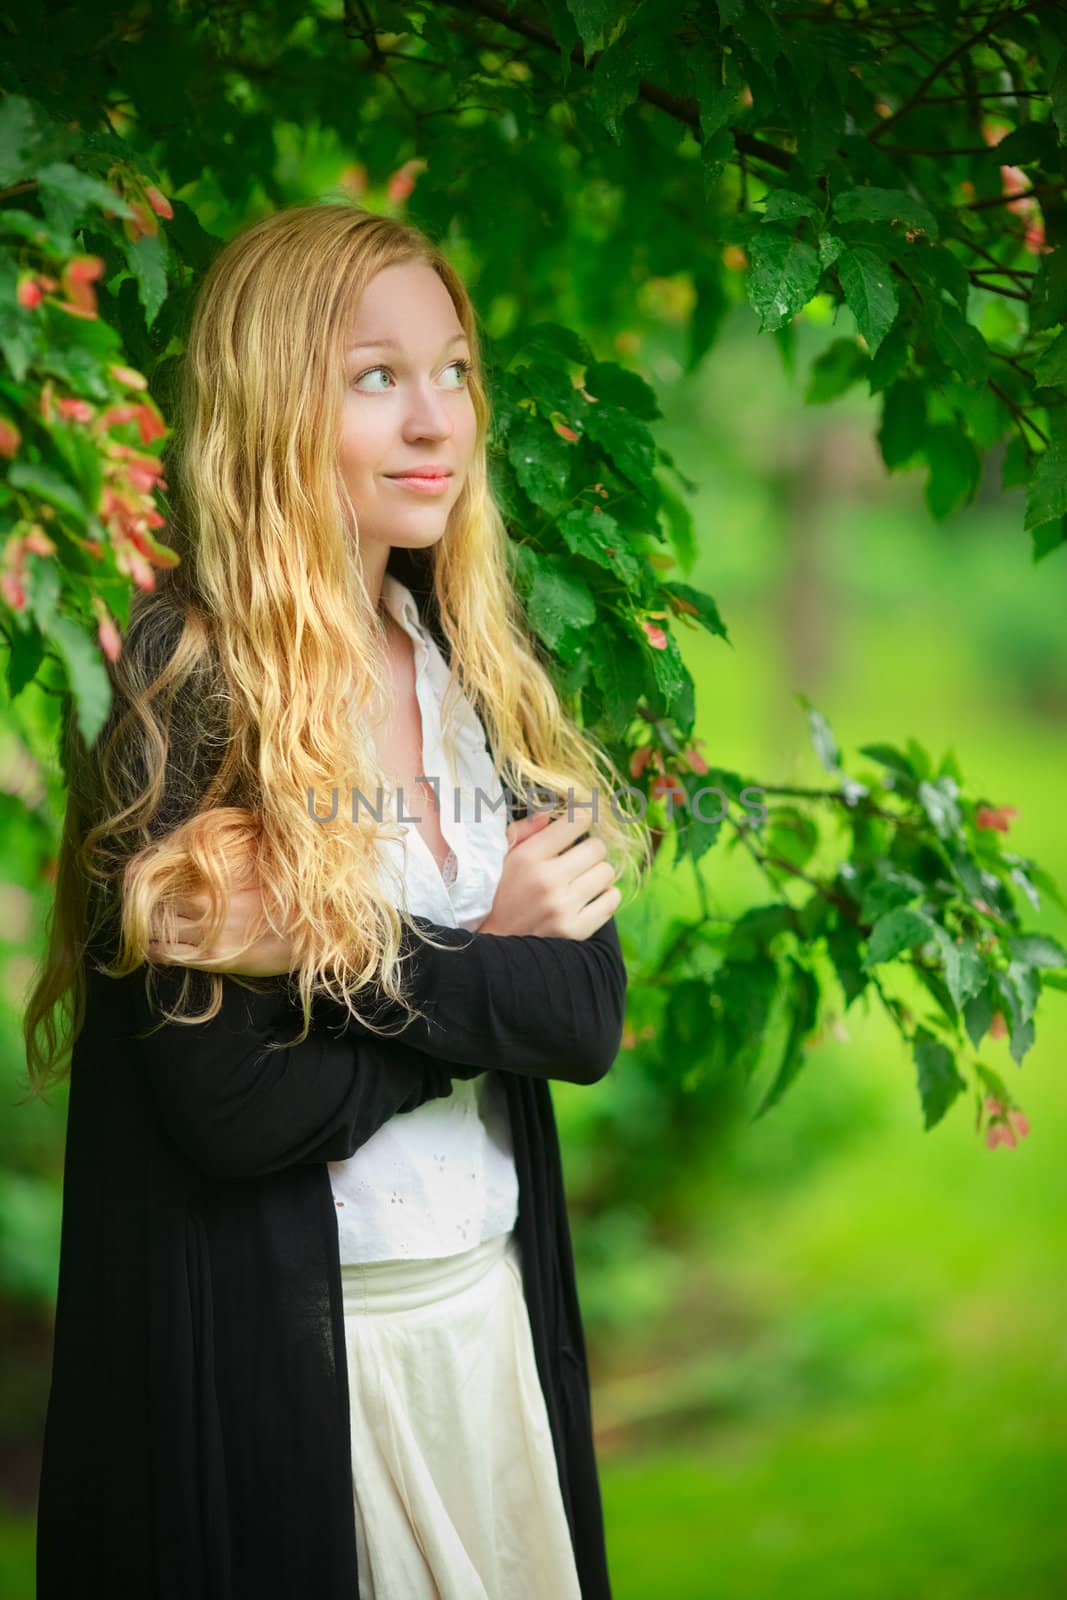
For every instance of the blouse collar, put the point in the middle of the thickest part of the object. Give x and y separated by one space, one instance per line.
399 601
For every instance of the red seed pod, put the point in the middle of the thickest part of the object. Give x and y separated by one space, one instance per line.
159 202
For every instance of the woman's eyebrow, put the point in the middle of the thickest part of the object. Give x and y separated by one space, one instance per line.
391 344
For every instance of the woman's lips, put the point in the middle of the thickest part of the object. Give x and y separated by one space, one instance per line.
421 484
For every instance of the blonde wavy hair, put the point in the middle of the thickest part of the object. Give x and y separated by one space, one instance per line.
246 677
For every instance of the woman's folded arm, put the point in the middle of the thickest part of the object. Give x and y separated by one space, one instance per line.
238 1110
544 1007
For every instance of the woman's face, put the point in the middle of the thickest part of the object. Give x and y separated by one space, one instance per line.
406 406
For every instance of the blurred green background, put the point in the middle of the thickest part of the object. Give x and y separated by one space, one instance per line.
839 1369
844 1373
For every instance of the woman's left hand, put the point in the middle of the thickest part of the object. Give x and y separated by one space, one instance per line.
268 956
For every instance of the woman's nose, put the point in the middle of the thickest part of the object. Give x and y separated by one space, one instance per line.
428 417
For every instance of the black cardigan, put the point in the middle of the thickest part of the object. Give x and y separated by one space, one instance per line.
197 1442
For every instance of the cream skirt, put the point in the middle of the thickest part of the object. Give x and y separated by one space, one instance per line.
454 1473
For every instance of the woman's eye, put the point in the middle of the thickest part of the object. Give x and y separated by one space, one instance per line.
463 367
372 373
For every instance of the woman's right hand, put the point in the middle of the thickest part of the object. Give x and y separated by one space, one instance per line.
550 885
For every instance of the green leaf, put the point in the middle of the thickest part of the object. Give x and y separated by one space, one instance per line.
559 601
595 19
617 672
704 607
955 467
979 1011
670 672
625 439
22 338
78 350
840 365
50 487
822 737
803 991
45 586
25 135
1046 496
553 339
782 205
1030 141
934 984
698 822
1046 883
895 206
748 989
899 930
903 429
891 358
1019 877
24 658
80 190
791 836
945 271
81 454
623 388
679 520
1048 295
597 536
1026 986
1058 95
843 948
757 928
889 889
37 231
549 385
939 1081
1048 537
1018 993
1051 367
149 257
1037 950
617 74
887 755
86 674
541 459
869 291
965 971
783 276
960 344
940 801
715 83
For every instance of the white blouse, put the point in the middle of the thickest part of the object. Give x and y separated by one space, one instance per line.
442 1178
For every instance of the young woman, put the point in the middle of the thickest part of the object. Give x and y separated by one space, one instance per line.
317 1330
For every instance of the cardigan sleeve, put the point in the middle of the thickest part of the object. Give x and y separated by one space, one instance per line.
542 1007
237 1110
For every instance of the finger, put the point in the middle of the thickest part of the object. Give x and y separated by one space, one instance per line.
192 905
185 924
188 955
559 835
577 858
594 880
524 826
179 952
598 911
